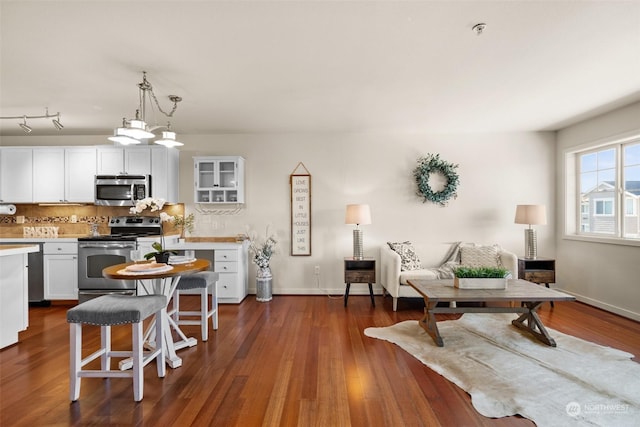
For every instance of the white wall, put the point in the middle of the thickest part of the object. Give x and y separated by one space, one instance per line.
497 172
601 274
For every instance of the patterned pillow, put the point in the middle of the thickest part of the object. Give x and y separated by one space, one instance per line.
472 255
410 260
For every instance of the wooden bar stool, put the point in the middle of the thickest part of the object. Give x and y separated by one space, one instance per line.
202 281
107 311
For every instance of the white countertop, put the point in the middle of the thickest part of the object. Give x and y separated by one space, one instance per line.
25 240
202 245
9 250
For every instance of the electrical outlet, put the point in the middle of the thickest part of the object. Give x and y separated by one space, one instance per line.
317 270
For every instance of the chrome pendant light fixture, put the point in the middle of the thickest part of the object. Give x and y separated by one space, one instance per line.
168 138
135 131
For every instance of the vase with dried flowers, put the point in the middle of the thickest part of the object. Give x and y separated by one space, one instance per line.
262 252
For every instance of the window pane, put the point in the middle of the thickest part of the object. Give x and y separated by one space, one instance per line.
632 155
629 208
631 179
607 177
606 159
588 162
588 181
597 183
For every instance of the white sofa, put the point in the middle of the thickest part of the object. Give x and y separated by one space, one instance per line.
436 262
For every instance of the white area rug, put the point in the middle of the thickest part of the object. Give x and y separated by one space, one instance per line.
577 383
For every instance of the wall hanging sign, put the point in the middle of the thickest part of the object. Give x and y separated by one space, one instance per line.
300 211
431 164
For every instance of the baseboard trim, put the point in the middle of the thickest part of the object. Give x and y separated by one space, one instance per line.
604 306
317 291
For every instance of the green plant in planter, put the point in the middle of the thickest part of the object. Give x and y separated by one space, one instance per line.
481 272
159 250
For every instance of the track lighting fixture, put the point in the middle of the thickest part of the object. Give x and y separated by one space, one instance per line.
25 127
56 122
135 130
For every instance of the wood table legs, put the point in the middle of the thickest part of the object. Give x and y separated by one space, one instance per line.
533 322
346 294
528 320
428 323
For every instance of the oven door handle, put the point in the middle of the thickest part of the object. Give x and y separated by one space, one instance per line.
110 246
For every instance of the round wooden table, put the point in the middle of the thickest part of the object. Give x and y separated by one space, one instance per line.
160 283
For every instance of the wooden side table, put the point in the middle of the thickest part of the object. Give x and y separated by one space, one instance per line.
537 270
359 271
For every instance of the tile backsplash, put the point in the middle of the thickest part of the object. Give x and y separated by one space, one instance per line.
33 220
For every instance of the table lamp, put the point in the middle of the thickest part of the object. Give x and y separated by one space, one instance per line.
358 214
531 215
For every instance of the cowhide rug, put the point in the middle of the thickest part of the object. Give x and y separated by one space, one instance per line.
507 372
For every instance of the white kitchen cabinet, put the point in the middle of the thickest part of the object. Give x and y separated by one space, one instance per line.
16 175
60 271
48 174
14 293
219 179
110 161
63 174
229 260
226 262
137 160
165 173
79 174
121 161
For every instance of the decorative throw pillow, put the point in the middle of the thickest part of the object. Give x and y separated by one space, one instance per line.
472 255
408 257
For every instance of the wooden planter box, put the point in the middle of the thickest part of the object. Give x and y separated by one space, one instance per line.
480 283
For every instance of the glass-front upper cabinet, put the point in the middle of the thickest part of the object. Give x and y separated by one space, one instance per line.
219 179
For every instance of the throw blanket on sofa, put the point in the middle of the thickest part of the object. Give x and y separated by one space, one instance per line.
451 262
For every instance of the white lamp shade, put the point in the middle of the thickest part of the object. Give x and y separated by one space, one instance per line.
531 214
120 137
358 214
169 140
137 129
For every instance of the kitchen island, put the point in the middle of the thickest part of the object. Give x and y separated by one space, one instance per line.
14 291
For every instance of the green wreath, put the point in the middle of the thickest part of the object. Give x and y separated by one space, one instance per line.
426 166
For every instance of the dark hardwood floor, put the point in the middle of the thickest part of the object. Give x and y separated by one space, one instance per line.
295 361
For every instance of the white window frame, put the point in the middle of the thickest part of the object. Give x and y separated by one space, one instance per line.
572 199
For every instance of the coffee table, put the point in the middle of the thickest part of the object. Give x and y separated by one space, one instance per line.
528 296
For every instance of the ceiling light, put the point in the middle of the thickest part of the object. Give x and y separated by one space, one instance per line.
24 117
120 136
123 139
137 129
168 140
24 126
56 122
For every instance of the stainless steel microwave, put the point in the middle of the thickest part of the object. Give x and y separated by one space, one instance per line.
121 190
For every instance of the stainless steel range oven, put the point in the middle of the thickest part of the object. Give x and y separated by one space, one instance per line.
97 252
